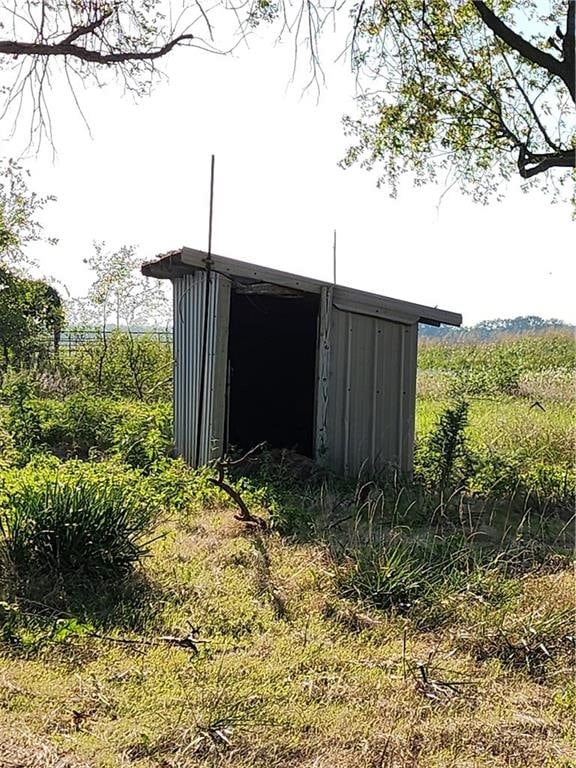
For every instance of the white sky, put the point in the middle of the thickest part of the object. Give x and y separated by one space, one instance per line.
143 178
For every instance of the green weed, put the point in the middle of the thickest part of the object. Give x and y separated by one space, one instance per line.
70 530
408 575
444 461
81 426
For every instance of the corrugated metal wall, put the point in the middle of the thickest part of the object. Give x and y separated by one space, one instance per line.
370 399
189 295
366 381
323 376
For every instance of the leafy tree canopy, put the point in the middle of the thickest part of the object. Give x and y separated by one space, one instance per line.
120 294
84 41
19 208
468 90
29 309
475 91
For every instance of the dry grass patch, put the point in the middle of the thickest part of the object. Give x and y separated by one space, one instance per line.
21 748
293 674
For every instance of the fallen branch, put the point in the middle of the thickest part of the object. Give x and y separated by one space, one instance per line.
244 516
188 641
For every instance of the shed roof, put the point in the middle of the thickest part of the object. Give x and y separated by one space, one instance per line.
184 261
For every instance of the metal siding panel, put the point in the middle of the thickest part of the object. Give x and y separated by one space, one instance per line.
321 433
349 330
220 311
189 293
370 400
388 451
361 409
176 346
337 385
182 333
409 396
376 393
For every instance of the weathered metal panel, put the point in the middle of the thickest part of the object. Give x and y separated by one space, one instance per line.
189 297
408 421
366 379
322 375
176 263
371 388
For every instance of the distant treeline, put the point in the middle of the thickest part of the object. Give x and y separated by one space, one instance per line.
487 329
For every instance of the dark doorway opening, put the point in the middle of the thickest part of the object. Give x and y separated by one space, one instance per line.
272 356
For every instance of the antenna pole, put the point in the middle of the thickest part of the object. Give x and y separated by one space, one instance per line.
334 257
211 210
208 263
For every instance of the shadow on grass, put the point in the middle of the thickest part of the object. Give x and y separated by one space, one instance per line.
37 614
394 547
304 500
307 502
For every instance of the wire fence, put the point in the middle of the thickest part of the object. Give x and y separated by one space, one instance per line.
74 339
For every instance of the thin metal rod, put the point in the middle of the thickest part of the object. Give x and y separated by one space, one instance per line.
208 262
334 257
211 210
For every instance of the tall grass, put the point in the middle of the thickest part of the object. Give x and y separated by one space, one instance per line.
522 352
71 531
397 573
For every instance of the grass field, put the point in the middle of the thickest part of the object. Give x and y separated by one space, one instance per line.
294 673
388 626
510 426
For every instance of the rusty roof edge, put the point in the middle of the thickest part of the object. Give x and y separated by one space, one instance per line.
163 265
178 262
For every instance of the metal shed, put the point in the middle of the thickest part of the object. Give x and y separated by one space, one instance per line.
323 369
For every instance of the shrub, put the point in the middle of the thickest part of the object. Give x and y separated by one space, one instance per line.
8 452
122 366
143 435
68 428
29 309
77 425
442 460
536 484
76 526
81 425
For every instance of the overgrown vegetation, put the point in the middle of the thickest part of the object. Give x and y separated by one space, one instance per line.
508 365
71 527
517 439
375 622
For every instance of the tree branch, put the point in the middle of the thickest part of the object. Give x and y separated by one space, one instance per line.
87 28
543 162
245 516
526 49
569 40
15 48
532 109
